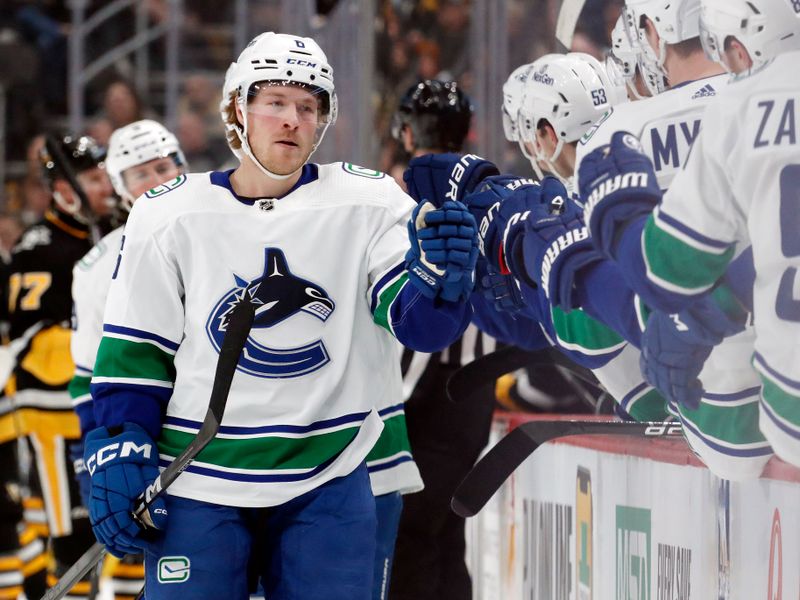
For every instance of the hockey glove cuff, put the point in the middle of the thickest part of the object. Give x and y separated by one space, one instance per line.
436 178
121 467
617 184
554 248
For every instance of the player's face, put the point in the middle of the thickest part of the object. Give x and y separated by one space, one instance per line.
146 176
98 190
282 123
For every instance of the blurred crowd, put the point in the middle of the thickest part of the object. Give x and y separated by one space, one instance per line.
415 40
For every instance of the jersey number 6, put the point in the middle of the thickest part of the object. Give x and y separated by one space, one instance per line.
787 307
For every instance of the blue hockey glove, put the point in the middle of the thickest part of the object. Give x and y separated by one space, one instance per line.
444 250
617 184
439 177
499 206
502 291
675 347
81 474
121 467
554 248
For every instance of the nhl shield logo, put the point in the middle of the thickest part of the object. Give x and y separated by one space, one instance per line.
278 295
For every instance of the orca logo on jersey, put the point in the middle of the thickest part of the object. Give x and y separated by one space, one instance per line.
279 295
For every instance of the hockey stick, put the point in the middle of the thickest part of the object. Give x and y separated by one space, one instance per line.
568 16
473 376
493 469
232 344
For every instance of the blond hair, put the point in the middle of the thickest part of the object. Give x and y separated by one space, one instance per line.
230 119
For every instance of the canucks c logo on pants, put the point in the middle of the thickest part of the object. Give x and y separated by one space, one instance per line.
278 295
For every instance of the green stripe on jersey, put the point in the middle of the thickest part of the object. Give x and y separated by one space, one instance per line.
139 360
79 386
394 439
579 329
732 424
385 299
269 452
675 262
649 407
782 403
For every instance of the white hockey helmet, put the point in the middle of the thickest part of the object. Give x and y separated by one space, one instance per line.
569 91
675 21
136 144
615 85
280 59
513 92
765 28
626 57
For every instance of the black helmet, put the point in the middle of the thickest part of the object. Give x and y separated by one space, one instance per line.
438 113
65 155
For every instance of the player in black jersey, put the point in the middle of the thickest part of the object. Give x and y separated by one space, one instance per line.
38 289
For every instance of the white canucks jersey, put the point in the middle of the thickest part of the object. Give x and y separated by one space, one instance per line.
90 280
741 188
724 430
324 263
666 125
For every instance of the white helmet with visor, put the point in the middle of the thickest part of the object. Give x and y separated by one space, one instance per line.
278 59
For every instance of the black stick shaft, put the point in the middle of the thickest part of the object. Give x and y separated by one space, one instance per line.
491 471
235 337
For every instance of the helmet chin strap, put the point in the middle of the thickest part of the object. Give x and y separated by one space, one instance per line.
241 133
550 162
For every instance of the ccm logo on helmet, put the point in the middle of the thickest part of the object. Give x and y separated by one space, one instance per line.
300 62
113 451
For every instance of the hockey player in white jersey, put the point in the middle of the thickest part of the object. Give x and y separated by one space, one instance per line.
627 64
722 425
666 124
140 157
338 270
738 188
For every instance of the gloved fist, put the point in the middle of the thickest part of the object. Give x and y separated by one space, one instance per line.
436 178
502 291
555 246
499 205
617 183
444 250
121 467
675 348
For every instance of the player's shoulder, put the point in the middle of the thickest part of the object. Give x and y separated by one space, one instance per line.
360 185
104 250
172 198
37 235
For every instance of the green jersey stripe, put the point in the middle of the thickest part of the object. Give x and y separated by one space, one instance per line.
578 331
733 425
79 386
262 453
650 406
784 405
677 266
125 359
385 299
393 439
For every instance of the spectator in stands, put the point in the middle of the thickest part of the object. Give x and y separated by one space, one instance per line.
121 104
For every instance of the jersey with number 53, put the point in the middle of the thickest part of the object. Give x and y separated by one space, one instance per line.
666 125
741 186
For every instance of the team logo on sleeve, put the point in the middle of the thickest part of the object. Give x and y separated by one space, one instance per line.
279 295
